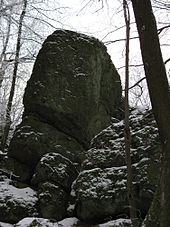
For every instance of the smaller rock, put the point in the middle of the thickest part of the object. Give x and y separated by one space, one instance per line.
100 194
53 201
103 192
55 168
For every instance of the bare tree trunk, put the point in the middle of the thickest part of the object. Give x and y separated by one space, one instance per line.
12 91
127 133
157 81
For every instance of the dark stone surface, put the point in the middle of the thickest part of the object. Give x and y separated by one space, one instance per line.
74 85
33 138
55 168
53 201
100 189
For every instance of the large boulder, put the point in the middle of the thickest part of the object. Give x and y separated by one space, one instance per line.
57 169
101 194
74 85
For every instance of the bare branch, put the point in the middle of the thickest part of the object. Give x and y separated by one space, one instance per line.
137 83
168 60
137 65
119 40
163 28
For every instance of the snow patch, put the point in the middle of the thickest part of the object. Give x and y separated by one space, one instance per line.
116 223
68 222
23 195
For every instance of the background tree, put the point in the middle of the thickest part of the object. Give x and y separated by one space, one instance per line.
14 76
127 133
35 27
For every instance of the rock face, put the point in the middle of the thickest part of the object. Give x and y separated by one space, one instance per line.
74 85
53 201
98 193
100 189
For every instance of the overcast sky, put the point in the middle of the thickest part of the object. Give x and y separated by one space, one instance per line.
93 19
90 17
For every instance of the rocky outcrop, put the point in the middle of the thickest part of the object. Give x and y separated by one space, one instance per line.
71 96
73 92
98 194
100 189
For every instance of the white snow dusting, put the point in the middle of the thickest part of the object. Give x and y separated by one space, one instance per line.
24 195
116 223
68 222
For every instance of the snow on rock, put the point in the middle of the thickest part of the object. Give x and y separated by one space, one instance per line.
100 189
3 224
26 222
117 223
35 222
56 168
67 222
100 193
16 203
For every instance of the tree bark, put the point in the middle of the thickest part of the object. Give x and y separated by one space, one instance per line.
12 91
160 99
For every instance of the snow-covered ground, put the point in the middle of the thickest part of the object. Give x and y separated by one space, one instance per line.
68 222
